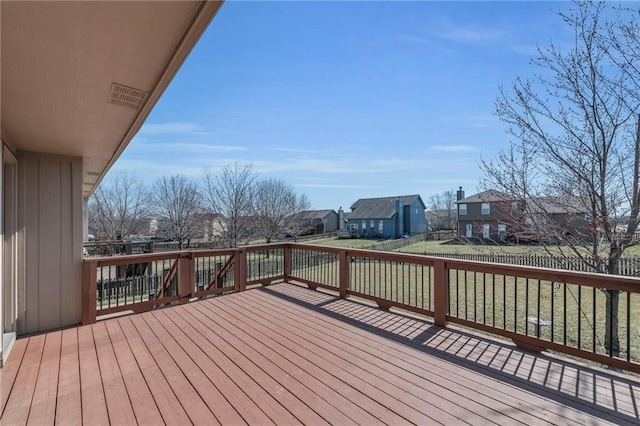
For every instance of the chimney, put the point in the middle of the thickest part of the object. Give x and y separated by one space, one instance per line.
459 194
400 216
340 219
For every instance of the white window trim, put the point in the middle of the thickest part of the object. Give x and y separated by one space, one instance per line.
461 211
488 208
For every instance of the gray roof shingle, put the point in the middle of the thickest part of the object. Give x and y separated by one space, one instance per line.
379 208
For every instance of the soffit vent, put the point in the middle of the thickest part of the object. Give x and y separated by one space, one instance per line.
126 96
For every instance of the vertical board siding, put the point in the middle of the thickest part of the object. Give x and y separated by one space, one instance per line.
71 243
49 244
31 251
51 227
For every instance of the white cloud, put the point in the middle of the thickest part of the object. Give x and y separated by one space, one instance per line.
468 34
333 186
454 148
482 120
180 147
410 39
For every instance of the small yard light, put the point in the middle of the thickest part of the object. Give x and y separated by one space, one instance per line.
538 322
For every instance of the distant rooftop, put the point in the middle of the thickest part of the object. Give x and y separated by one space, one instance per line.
380 208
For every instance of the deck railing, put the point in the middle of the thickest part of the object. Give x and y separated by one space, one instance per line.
537 308
142 282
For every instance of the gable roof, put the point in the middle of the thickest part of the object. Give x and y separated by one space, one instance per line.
485 196
569 204
316 214
380 208
559 205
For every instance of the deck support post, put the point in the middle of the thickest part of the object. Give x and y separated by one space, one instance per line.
89 290
186 277
440 293
344 273
240 270
288 261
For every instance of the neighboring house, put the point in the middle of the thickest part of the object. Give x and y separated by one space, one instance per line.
318 221
483 215
560 215
495 216
387 217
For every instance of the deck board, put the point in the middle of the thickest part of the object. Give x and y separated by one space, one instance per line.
168 405
428 387
193 404
43 406
211 396
9 372
94 406
248 379
19 403
288 355
377 383
68 400
115 391
145 408
224 386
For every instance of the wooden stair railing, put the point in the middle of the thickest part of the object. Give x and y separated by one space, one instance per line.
167 278
220 273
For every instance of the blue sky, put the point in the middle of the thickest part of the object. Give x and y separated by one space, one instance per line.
346 100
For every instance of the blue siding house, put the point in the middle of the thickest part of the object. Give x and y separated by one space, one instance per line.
387 217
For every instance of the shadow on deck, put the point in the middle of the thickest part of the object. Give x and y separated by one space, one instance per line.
611 396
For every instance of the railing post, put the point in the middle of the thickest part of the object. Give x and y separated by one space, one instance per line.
89 290
344 273
288 261
186 276
240 270
440 293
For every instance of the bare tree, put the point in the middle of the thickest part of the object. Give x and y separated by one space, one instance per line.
577 126
118 206
444 209
229 195
177 202
275 205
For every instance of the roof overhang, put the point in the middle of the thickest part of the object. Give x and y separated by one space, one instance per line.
62 61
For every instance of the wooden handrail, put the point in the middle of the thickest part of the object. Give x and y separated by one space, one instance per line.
344 265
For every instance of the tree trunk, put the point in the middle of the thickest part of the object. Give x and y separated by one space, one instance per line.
611 338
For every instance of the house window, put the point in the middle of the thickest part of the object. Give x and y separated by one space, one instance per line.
364 226
462 209
502 228
381 227
485 208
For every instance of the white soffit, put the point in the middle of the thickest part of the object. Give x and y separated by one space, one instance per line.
80 78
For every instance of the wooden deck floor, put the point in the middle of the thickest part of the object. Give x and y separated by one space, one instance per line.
288 355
